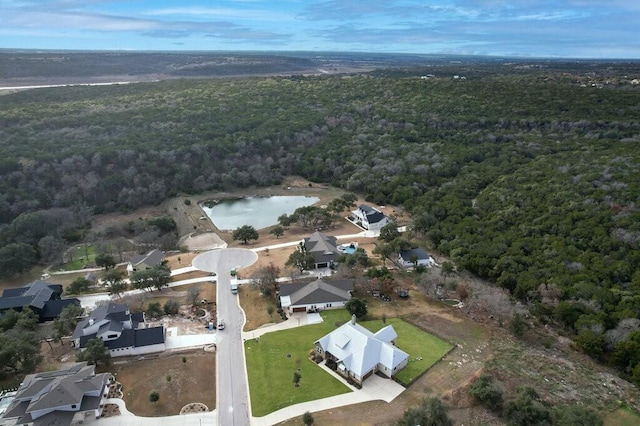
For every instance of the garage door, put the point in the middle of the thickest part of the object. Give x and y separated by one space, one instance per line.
303 309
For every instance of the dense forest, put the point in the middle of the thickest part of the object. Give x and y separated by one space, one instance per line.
524 174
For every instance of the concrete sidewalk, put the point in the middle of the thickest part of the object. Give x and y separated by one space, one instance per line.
126 418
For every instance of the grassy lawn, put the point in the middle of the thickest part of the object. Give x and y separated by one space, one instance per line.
423 348
271 370
82 256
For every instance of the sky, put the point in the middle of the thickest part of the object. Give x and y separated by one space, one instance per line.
523 28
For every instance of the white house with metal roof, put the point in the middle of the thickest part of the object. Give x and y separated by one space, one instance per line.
360 353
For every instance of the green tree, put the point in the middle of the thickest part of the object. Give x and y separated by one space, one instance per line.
25 320
95 352
357 307
307 419
518 325
285 221
19 350
277 231
114 281
300 259
431 412
154 397
245 233
78 286
571 415
154 310
526 409
486 392
105 261
446 269
66 322
160 276
171 307
16 258
389 232
384 250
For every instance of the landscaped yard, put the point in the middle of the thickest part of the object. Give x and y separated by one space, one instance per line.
273 358
78 257
423 348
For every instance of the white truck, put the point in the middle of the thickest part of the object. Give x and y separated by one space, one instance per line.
234 286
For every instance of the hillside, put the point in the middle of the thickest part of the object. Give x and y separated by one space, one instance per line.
523 173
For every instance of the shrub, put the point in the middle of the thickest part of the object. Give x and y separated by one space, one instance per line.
172 307
485 391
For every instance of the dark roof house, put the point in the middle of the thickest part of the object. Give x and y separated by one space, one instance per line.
141 262
315 295
56 398
368 217
122 332
41 297
322 248
414 257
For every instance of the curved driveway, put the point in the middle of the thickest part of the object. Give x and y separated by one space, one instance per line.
232 392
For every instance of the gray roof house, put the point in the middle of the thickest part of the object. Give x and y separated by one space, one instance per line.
368 217
315 295
41 297
123 333
322 248
360 353
56 398
421 257
141 262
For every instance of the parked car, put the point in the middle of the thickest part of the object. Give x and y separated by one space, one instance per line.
220 324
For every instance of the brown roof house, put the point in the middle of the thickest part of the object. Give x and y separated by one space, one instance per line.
122 332
59 398
142 262
315 296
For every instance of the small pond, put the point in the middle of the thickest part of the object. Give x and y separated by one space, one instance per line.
259 212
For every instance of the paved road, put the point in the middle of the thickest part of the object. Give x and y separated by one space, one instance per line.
232 402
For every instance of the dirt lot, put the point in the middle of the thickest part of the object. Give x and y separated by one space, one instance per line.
177 382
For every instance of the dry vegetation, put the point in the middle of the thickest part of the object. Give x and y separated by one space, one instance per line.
177 382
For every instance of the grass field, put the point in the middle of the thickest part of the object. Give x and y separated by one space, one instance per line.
272 360
423 348
83 255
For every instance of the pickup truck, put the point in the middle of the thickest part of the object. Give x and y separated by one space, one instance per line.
234 286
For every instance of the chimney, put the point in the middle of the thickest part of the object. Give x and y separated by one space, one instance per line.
353 319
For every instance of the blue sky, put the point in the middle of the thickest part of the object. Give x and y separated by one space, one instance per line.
527 28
